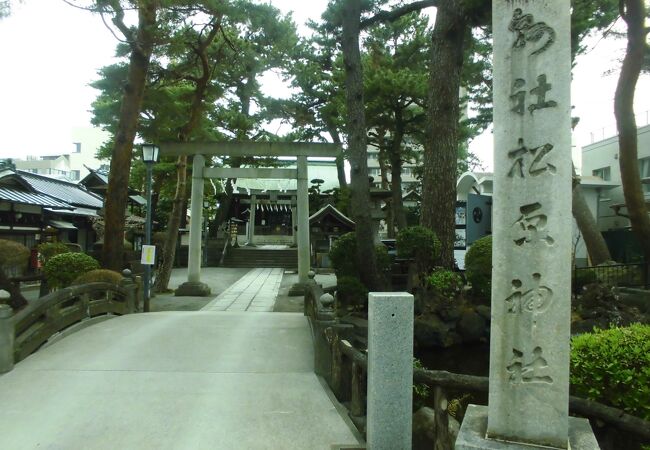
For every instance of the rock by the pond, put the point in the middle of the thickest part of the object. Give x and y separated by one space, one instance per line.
424 428
431 332
449 312
472 326
484 311
454 429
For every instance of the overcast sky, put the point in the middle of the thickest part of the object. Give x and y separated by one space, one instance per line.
49 52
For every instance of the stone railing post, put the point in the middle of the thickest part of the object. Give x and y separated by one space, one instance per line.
131 297
6 339
390 371
322 350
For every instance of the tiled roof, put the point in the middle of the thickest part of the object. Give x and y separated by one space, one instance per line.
31 198
61 190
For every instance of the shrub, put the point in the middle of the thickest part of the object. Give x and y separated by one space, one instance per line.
420 243
445 283
613 367
343 255
13 257
583 277
47 250
98 276
62 269
350 292
478 267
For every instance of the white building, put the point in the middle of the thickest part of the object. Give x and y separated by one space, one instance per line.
600 159
70 166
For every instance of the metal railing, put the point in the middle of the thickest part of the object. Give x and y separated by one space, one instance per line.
616 275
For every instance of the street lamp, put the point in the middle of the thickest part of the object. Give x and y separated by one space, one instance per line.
149 158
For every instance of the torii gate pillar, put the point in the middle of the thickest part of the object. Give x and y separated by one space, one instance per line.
193 286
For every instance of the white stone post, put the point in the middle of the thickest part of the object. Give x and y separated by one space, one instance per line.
390 371
6 339
194 286
303 220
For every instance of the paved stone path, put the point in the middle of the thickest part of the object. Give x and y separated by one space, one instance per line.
256 291
174 380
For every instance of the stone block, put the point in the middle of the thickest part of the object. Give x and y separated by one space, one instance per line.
390 370
474 428
193 289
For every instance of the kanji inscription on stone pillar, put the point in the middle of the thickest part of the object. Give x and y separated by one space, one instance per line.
531 277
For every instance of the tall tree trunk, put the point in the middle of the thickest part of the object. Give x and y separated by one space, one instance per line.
180 197
357 151
441 148
118 178
395 155
173 225
594 241
633 12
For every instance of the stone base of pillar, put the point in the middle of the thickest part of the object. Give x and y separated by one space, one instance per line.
193 289
473 430
297 290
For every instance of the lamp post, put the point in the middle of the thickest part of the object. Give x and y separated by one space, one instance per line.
149 157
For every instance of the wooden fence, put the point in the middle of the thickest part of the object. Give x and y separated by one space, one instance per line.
34 325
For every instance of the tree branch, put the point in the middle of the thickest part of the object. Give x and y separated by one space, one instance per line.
391 16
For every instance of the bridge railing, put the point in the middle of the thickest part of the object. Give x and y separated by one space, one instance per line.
344 368
25 332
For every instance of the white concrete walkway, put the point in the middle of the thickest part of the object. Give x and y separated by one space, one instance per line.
173 380
256 291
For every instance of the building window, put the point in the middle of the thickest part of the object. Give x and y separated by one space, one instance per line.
644 172
77 147
75 175
604 173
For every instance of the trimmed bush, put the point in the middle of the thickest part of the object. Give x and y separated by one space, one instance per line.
445 283
420 243
47 250
98 276
350 292
343 255
478 267
62 269
13 257
613 367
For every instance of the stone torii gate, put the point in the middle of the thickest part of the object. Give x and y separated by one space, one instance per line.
300 150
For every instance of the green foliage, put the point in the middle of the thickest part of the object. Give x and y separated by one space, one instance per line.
13 255
98 276
583 277
445 283
47 250
420 390
478 267
351 292
62 269
418 242
343 255
613 367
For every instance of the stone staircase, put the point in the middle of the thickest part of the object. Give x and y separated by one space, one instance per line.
286 258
